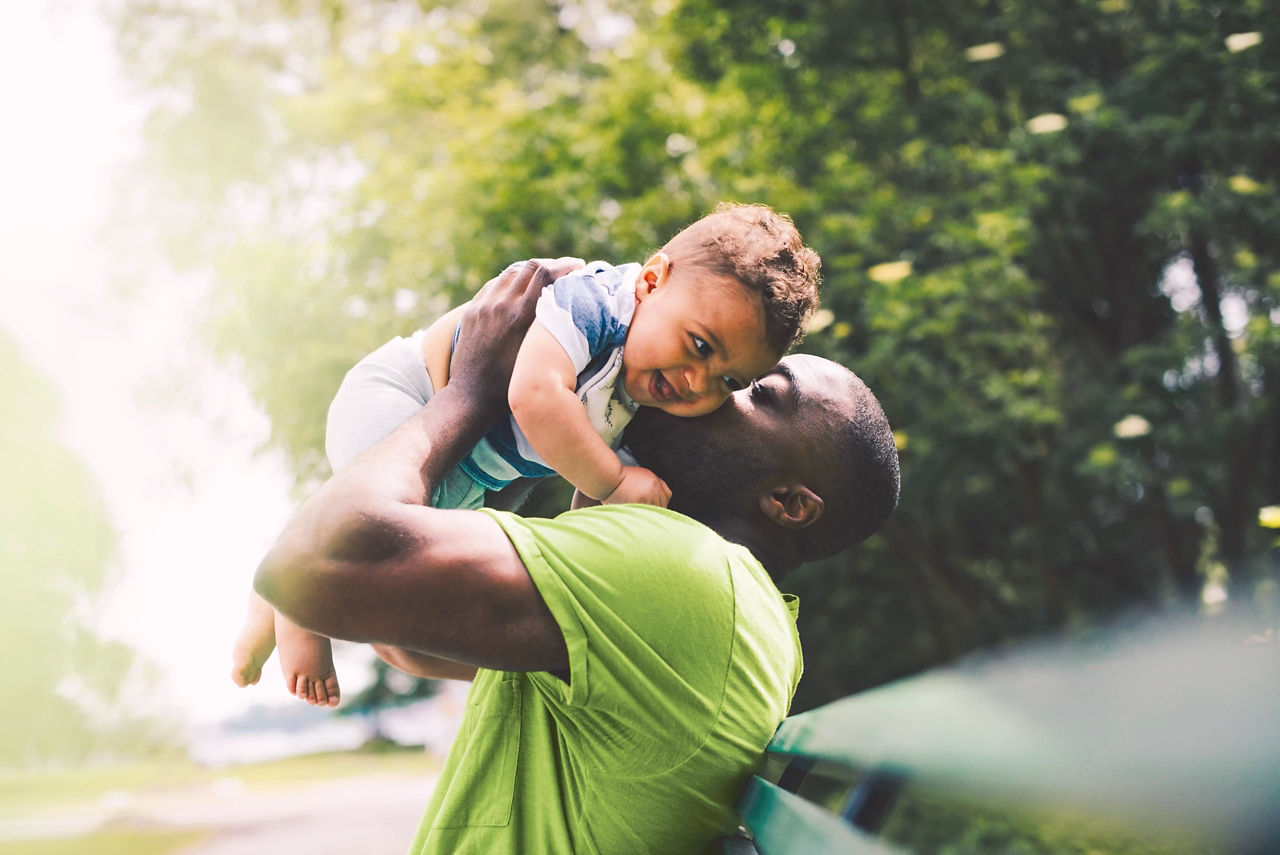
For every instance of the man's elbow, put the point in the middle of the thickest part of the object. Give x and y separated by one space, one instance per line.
312 565
294 575
280 581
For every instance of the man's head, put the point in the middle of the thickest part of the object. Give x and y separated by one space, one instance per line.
799 466
716 306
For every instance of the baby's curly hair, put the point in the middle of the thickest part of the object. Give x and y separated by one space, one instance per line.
763 250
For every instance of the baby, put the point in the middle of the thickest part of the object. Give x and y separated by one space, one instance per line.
715 307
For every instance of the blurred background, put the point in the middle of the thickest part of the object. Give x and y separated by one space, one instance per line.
1049 242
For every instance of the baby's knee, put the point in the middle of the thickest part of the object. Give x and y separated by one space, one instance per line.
378 395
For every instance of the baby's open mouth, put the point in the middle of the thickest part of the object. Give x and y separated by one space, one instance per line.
662 391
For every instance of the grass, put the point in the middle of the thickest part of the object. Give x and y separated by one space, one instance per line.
113 842
28 793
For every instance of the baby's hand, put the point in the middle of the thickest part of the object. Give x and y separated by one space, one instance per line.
639 485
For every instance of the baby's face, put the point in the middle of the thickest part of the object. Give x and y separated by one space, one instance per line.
693 343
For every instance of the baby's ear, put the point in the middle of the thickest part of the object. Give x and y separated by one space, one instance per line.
653 275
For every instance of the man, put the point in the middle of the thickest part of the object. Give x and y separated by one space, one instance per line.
633 661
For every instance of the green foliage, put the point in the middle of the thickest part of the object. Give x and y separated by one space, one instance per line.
1038 221
932 822
1037 313
57 550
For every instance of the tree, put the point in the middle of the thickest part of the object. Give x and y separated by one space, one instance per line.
390 688
1011 192
57 552
1045 231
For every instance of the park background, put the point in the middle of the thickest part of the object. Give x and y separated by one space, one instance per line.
1049 243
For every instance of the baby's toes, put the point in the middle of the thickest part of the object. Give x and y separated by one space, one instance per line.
302 690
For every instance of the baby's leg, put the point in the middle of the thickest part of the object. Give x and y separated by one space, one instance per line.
307 662
256 641
378 395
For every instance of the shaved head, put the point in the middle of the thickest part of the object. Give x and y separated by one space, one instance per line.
808 423
857 472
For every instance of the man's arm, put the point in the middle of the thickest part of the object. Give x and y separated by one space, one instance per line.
422 665
511 497
364 560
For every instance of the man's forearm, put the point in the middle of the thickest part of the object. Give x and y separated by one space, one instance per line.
349 519
366 560
355 522
424 665
408 464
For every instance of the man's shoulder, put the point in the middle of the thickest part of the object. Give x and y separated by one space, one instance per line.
642 522
625 523
634 544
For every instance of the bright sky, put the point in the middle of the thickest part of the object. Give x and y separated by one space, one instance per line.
194 506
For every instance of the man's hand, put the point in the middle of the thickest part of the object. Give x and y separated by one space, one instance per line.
365 560
494 326
641 486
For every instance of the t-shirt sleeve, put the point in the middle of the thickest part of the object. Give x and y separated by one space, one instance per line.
645 600
584 311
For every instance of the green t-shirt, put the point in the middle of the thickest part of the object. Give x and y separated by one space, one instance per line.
683 658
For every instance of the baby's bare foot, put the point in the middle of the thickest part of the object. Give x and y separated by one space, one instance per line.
307 662
253 647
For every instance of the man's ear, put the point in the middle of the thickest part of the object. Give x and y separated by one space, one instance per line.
792 506
653 275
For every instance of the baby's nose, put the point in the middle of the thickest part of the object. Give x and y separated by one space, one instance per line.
697 379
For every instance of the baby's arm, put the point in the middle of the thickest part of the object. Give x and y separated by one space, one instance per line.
547 408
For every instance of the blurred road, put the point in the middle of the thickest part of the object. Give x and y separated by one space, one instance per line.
372 815
369 814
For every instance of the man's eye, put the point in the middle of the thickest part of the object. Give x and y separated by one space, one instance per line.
732 383
760 392
700 345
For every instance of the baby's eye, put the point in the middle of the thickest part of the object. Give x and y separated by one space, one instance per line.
732 383
700 345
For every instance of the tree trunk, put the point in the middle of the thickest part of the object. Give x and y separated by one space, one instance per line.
1206 270
902 45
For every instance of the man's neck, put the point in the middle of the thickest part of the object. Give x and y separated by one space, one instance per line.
774 554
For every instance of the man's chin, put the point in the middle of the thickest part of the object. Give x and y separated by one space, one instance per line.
700 470
651 434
